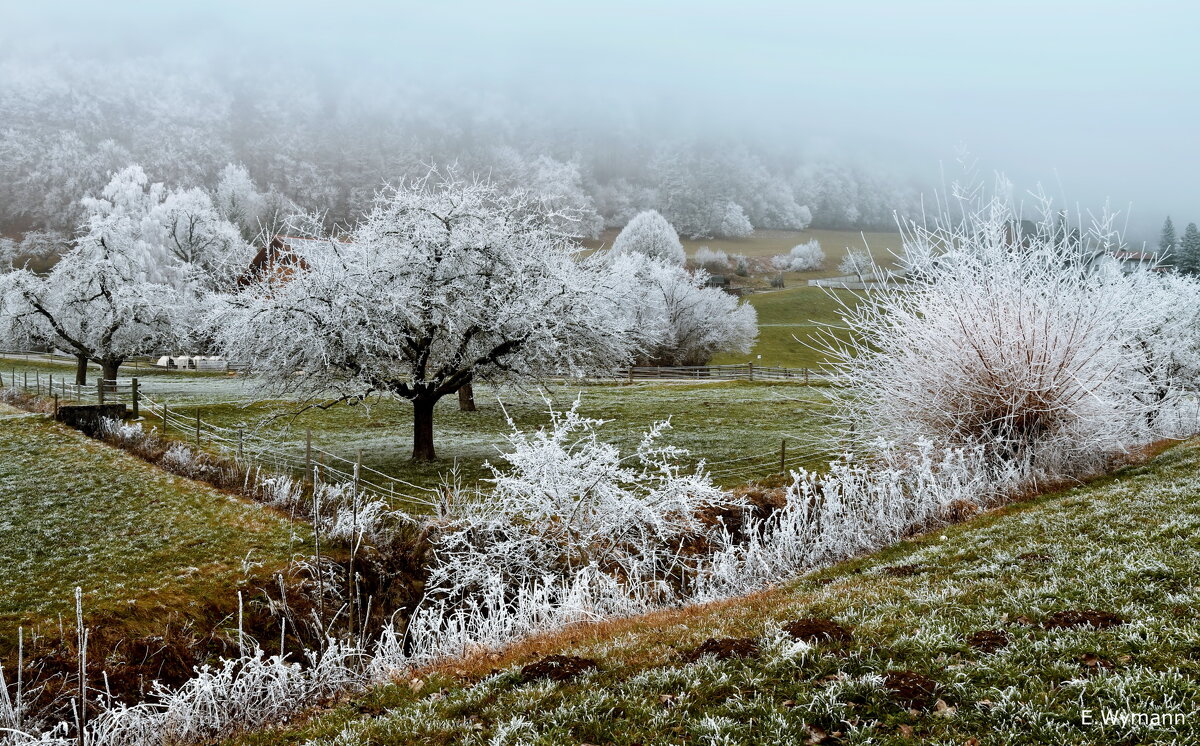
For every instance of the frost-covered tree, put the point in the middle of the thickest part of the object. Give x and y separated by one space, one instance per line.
258 215
734 223
857 262
558 182
208 247
1187 256
651 235
176 236
1165 348
98 304
1004 342
1167 243
685 322
805 257
446 281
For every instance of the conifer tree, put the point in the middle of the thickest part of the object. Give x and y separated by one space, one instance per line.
1188 254
1167 242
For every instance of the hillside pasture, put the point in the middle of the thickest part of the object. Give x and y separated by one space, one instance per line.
1028 625
790 325
767 243
737 428
146 547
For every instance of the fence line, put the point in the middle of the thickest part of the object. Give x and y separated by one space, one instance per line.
746 372
248 446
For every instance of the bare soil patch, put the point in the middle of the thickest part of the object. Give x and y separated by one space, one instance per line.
910 688
989 640
725 648
817 630
558 668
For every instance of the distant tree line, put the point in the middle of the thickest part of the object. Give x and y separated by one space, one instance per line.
67 125
1182 252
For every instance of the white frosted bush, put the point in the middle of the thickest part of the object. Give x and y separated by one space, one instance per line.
650 234
568 502
713 261
1006 340
805 257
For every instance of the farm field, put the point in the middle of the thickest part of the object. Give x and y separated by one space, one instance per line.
797 310
766 243
969 634
789 322
736 427
145 546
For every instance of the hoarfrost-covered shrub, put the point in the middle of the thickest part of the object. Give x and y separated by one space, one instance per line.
1007 340
181 460
231 698
853 508
805 257
714 261
650 234
571 523
858 263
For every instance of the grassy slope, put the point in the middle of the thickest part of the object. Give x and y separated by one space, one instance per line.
1126 544
139 541
716 421
788 323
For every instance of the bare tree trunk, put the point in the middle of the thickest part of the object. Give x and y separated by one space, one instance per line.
423 429
109 367
466 398
81 364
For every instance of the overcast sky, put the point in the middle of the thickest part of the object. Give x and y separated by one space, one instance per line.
1096 100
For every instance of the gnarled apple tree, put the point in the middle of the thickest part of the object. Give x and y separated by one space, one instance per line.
446 281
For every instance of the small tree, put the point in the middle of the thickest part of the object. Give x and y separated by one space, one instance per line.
1166 241
97 303
445 282
685 322
1188 255
650 234
857 262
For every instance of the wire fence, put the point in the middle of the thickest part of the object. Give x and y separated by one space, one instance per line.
248 447
238 444
746 372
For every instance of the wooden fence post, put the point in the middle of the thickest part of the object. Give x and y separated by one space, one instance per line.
100 389
783 455
56 406
197 427
133 393
806 376
750 370
308 472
